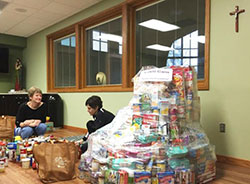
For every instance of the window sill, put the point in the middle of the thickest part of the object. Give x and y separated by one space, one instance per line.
94 89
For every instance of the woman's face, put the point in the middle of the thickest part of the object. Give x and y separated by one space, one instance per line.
37 98
91 110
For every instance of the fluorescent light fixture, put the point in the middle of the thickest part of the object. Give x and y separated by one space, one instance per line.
111 37
159 47
159 25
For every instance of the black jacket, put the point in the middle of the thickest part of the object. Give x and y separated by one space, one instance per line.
101 118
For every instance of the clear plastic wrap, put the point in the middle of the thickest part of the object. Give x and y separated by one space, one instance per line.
157 138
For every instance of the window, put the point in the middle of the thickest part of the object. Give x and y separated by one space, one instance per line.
103 54
105 51
185 52
177 35
64 59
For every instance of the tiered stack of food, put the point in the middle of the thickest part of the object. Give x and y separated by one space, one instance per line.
157 138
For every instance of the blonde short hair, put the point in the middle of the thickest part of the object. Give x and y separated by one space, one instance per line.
34 90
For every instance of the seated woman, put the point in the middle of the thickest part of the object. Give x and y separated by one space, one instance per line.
101 117
31 115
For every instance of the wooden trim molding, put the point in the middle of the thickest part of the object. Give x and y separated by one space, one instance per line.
125 45
65 31
233 161
102 16
204 84
83 58
140 3
78 56
76 129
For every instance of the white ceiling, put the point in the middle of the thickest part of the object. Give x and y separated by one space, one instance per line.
26 17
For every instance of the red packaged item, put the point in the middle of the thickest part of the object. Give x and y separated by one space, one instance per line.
122 177
150 119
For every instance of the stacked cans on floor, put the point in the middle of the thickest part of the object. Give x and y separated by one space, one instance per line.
3 156
19 151
157 138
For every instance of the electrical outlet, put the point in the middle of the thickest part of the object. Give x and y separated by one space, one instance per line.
222 127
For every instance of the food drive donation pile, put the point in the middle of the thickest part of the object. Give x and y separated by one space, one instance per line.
157 138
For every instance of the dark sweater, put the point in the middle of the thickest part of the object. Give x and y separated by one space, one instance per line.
26 113
101 118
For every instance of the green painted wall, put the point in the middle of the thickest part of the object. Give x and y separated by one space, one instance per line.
7 80
15 41
227 100
16 45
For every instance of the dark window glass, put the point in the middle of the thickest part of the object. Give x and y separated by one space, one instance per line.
171 32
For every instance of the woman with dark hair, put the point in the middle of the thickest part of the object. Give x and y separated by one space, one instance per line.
101 117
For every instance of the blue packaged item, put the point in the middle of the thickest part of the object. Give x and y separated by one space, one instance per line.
142 177
166 177
12 145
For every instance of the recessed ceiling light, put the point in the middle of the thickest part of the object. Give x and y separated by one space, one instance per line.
21 10
159 25
159 47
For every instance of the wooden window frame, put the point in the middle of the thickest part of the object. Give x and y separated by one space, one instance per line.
50 58
127 10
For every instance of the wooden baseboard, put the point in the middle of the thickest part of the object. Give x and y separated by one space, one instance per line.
233 161
77 129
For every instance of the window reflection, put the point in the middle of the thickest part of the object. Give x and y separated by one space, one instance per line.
185 41
103 53
185 51
64 59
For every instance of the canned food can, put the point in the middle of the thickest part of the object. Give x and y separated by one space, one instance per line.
2 167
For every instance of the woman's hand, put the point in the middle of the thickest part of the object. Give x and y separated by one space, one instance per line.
35 123
23 124
31 123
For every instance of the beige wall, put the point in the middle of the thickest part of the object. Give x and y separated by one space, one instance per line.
227 100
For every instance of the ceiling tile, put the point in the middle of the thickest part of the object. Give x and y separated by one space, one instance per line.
47 16
59 8
9 1
34 21
22 30
37 4
8 19
16 8
77 3
36 15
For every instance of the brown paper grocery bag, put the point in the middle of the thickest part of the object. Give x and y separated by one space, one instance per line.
7 125
56 162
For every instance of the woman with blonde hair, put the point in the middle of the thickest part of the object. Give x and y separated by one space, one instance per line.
31 115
